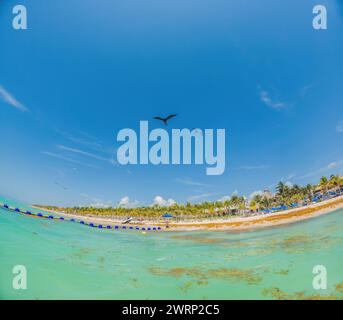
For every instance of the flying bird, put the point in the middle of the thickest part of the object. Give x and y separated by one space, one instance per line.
165 120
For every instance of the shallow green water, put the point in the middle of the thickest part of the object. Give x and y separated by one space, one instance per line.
71 261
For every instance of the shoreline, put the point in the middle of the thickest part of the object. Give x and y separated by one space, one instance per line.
231 224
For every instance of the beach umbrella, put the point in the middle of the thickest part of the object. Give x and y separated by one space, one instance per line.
167 215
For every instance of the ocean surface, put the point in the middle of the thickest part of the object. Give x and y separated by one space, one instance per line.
67 260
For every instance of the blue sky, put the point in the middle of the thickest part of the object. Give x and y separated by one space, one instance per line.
86 69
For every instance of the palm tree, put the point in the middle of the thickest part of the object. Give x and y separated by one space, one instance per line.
323 183
309 191
334 182
281 188
253 205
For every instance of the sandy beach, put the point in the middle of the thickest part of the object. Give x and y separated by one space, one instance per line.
233 223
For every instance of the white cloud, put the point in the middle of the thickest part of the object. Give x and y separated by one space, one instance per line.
125 202
98 203
272 102
84 153
159 201
256 167
87 141
201 196
58 156
332 165
190 182
11 100
289 184
339 127
224 198
323 170
255 193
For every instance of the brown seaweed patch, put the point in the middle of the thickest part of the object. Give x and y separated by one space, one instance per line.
300 243
339 287
201 282
282 272
251 252
82 252
237 244
186 286
177 272
278 294
246 275
199 239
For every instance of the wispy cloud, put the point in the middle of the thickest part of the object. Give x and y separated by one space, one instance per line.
81 152
290 177
332 165
200 196
86 140
252 167
190 182
339 126
89 142
271 100
323 170
305 89
11 100
61 157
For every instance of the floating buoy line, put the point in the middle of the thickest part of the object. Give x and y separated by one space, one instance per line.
82 222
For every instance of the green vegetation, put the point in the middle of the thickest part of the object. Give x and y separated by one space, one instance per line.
286 195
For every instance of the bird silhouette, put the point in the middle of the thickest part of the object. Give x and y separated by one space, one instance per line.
165 120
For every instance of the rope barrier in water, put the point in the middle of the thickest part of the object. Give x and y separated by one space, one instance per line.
90 224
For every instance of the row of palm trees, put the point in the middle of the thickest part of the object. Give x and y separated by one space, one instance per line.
285 195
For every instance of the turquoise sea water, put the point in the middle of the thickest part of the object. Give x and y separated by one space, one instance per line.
70 261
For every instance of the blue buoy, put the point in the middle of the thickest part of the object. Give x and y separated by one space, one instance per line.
91 225
137 228
82 222
50 217
39 215
159 228
108 227
124 227
131 228
149 229
100 226
116 227
153 228
61 218
143 228
16 210
27 212
6 206
72 220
